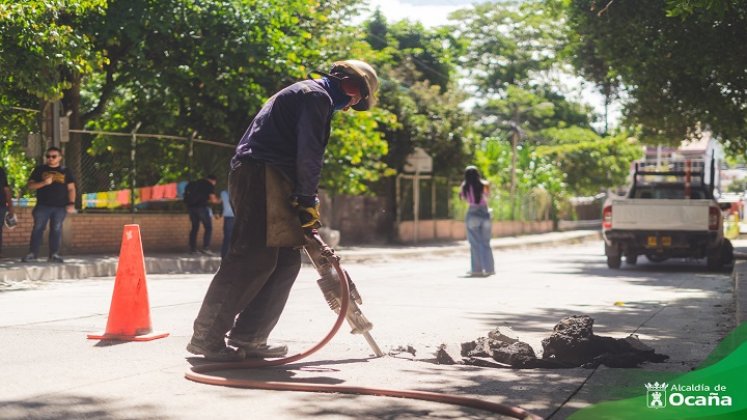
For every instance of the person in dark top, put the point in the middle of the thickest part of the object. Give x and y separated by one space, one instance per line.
55 198
273 185
198 195
6 204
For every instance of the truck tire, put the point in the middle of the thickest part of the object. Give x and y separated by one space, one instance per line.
714 262
614 261
631 259
727 253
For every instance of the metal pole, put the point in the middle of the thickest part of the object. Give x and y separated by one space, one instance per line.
190 154
133 167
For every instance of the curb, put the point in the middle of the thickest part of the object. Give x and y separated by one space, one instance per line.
106 265
738 276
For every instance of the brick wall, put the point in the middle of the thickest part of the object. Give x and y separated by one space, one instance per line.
359 219
101 233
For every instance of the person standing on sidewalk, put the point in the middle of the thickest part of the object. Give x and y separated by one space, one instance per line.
475 192
55 198
198 196
6 204
228 218
273 186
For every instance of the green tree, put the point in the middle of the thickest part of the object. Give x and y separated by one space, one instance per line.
507 43
541 183
675 60
590 163
174 66
416 65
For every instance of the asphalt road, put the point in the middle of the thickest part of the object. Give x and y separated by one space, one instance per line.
51 371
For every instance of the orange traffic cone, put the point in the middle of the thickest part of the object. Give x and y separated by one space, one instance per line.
129 314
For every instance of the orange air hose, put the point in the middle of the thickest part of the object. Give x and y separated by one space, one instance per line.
199 374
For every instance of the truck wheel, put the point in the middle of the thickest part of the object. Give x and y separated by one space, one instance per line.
727 252
631 259
714 261
614 261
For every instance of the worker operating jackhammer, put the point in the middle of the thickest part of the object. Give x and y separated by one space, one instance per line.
273 185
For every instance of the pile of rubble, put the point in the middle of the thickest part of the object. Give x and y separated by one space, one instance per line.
571 344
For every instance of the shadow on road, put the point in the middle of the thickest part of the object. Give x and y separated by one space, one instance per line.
69 406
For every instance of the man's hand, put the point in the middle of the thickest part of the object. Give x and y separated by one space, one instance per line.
308 211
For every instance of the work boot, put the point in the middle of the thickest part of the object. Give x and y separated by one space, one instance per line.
30 257
261 350
217 354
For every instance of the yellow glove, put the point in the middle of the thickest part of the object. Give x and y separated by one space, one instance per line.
308 211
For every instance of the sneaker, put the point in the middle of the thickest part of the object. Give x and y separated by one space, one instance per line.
194 252
475 274
258 350
29 258
489 273
207 252
220 354
55 258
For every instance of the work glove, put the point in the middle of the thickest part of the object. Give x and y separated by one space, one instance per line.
308 210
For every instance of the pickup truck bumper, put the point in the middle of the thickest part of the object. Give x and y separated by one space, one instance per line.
664 243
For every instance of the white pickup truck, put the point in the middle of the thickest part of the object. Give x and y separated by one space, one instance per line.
666 214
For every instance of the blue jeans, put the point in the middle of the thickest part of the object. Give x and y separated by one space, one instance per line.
43 215
227 229
199 215
479 231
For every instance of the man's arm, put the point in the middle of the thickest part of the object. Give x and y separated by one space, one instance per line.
70 197
34 185
312 140
8 199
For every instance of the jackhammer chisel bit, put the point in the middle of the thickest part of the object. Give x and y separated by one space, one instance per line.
325 260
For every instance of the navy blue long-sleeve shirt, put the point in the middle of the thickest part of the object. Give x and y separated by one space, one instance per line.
291 131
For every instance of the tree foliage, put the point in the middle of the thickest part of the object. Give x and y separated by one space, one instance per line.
507 42
417 65
675 60
591 163
174 66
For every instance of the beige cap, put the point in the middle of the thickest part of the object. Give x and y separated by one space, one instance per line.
364 72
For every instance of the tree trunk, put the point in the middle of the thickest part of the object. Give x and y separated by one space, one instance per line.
74 148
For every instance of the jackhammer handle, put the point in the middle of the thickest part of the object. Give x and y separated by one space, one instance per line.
354 315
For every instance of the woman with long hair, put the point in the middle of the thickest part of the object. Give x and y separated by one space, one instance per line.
475 191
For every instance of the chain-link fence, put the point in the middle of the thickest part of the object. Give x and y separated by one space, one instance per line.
431 198
115 170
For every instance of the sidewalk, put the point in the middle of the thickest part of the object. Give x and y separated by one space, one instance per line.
85 266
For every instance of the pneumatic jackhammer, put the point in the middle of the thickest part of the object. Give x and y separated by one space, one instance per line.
327 264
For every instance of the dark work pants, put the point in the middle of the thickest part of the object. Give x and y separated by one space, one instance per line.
227 229
199 215
253 280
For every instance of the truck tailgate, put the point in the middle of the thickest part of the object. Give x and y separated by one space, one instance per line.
654 214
